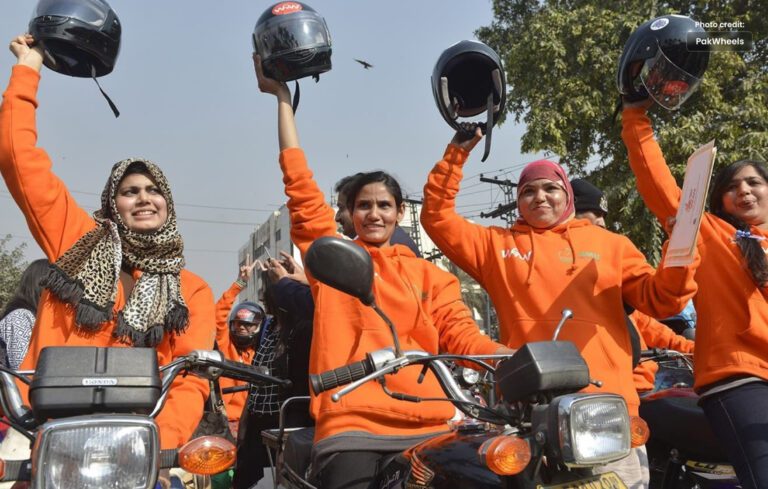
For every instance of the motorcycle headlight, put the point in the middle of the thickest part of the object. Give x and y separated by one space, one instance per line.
591 428
92 452
469 376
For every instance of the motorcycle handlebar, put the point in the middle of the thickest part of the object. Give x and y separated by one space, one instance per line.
340 376
654 353
249 373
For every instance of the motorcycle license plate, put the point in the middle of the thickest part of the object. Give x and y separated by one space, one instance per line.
609 480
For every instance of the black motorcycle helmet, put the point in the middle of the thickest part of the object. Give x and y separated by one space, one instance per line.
468 79
250 313
79 38
293 41
656 62
463 77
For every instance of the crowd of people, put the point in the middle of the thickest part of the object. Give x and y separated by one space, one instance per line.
118 278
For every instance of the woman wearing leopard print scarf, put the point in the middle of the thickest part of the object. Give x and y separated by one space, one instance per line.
118 277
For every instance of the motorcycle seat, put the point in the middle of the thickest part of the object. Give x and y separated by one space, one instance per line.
298 450
680 423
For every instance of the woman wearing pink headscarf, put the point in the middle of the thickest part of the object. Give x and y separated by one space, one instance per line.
549 261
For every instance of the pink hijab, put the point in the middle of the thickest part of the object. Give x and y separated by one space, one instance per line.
551 171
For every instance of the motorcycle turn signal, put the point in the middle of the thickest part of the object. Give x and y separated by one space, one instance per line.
639 431
505 454
207 455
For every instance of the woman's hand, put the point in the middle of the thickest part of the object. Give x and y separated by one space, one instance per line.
26 54
245 271
269 85
460 139
295 271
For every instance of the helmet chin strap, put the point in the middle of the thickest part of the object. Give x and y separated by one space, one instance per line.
109 100
297 93
489 123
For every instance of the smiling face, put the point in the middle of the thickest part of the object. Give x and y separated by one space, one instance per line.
746 197
376 214
140 204
541 202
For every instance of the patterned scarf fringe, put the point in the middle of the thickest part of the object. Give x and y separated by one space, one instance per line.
177 319
126 334
88 315
176 322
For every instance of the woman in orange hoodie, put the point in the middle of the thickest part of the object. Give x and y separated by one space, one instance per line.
117 278
424 303
548 261
731 357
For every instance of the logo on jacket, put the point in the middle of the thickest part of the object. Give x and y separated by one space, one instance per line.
516 253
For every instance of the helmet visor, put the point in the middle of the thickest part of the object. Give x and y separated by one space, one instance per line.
668 84
291 34
92 12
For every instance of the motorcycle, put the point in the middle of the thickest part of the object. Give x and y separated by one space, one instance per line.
541 433
682 450
91 421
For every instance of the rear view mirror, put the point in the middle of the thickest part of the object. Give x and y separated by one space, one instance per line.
343 265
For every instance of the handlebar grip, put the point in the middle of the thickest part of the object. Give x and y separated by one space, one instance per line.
340 376
235 389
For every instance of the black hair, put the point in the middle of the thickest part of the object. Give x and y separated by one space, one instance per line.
360 180
750 248
342 185
28 291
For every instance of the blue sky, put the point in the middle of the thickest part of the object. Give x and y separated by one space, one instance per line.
185 85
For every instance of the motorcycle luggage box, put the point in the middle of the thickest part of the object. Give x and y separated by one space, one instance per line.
542 366
71 381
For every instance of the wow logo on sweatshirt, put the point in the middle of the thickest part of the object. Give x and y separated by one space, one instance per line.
509 252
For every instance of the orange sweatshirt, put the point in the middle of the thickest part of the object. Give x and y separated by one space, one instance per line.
234 403
732 312
533 274
654 334
422 301
57 222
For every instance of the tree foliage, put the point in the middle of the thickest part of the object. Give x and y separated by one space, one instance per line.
12 265
476 298
561 59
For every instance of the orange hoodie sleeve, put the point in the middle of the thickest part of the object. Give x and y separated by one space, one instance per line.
223 307
184 408
53 216
657 335
466 244
311 216
458 332
659 293
655 181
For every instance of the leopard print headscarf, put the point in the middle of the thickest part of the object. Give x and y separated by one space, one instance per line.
86 276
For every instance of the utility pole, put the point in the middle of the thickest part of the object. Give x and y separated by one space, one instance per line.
415 226
507 210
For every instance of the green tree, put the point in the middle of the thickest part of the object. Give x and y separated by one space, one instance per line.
12 265
561 59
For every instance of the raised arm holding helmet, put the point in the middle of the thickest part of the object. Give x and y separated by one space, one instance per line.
731 364
423 302
547 261
91 297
